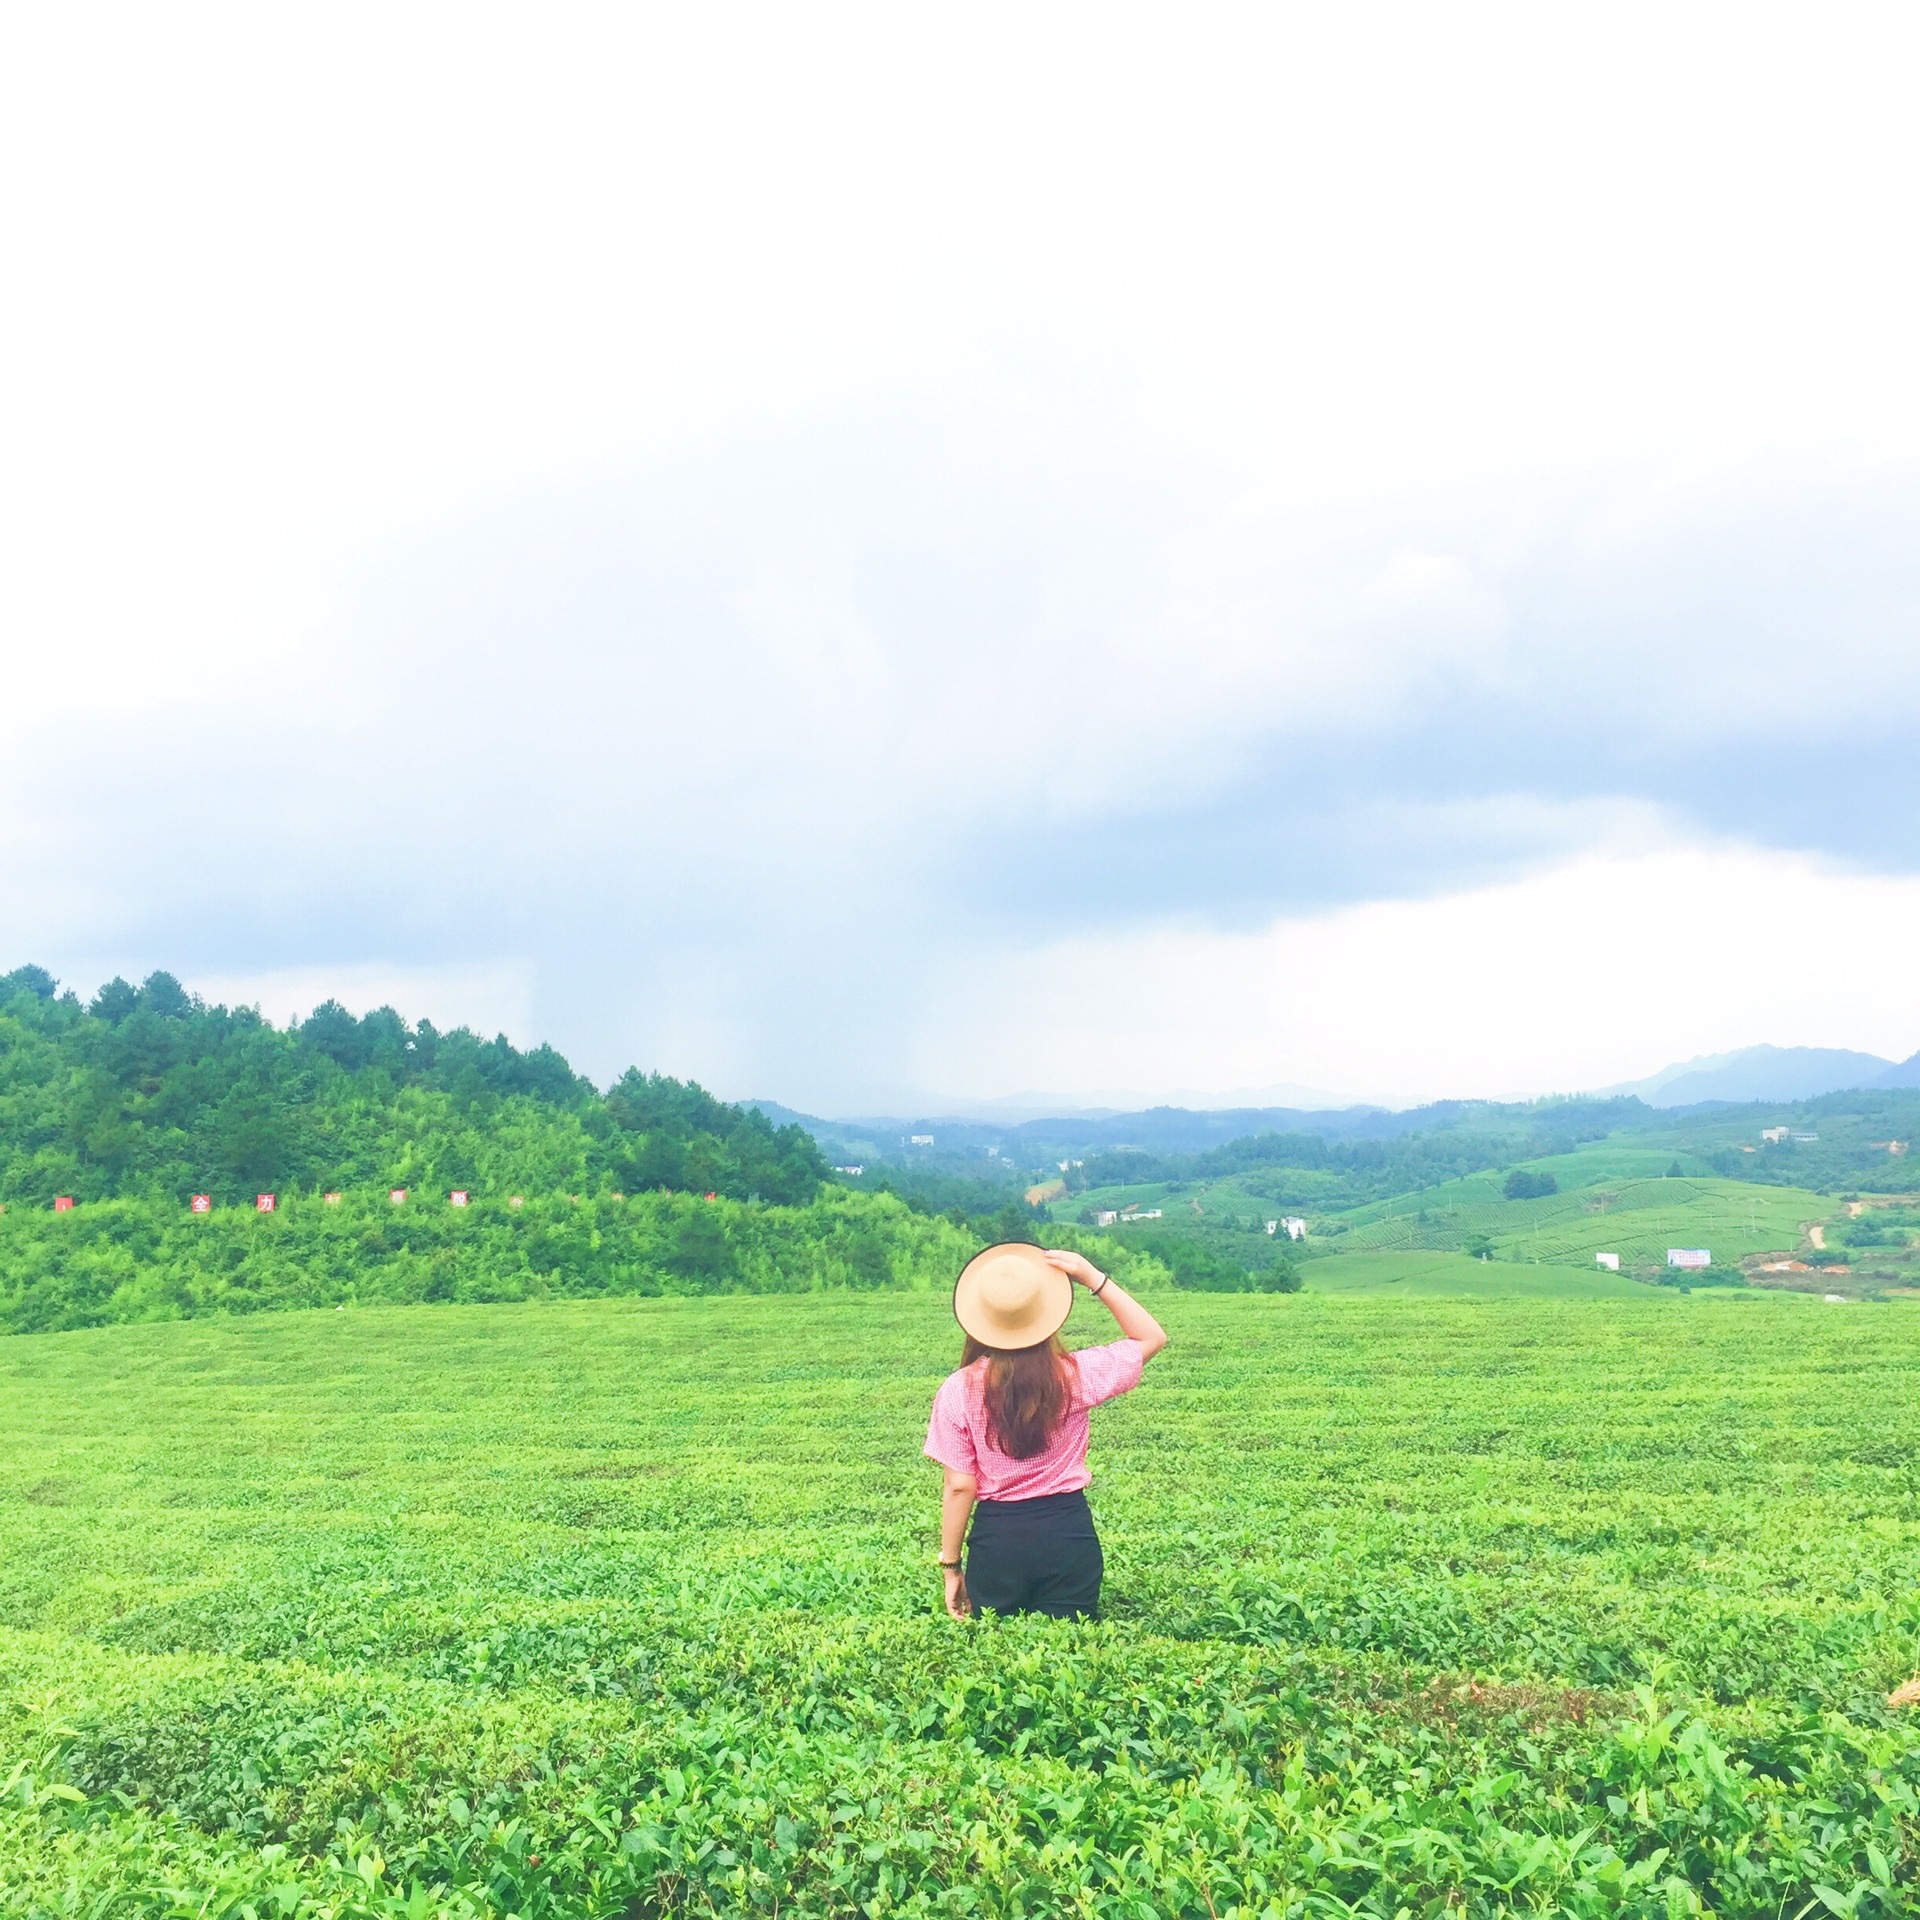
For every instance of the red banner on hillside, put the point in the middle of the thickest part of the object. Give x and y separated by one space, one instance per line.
201 1203
263 1203
458 1197
63 1203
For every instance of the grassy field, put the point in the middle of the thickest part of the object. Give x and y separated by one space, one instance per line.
1639 1219
1455 1276
1617 1197
1416 1607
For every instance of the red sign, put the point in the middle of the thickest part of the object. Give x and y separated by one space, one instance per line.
263 1203
713 1196
458 1197
332 1199
516 1201
201 1203
398 1195
63 1203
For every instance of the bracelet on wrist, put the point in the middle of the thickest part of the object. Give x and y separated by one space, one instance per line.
1105 1278
950 1566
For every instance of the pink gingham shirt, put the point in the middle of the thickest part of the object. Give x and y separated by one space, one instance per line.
957 1433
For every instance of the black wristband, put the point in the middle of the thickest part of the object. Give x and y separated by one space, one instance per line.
1102 1287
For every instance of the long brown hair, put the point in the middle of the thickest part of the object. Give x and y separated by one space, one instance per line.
1027 1393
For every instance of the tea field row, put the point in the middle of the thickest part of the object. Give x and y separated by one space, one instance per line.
617 1607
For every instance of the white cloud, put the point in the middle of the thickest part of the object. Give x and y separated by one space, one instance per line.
1594 971
710 513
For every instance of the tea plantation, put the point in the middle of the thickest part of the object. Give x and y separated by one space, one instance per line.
1416 1606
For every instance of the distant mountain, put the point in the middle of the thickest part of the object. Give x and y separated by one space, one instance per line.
1154 1130
1766 1073
1906 1074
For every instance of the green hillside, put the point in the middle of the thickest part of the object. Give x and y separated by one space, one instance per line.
1639 1219
149 1093
137 1260
1633 1193
133 1105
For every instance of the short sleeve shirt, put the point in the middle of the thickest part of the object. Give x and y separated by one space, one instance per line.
957 1433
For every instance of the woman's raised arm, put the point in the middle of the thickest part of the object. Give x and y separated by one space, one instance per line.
1135 1321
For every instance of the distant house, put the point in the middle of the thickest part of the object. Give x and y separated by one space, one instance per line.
1689 1257
1803 1139
856 1171
1611 1261
1773 1135
1105 1217
919 1139
1137 1213
1888 1146
1294 1227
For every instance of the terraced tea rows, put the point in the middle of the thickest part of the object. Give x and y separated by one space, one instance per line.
1637 1219
625 1607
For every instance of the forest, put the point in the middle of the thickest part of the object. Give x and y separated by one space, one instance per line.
149 1093
139 1105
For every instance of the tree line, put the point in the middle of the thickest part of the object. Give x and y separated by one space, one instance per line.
149 1092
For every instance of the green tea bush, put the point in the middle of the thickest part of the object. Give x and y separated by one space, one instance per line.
134 1260
625 1606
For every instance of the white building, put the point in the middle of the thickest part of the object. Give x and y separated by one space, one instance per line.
1689 1257
1105 1216
1611 1261
919 1139
1295 1228
1773 1135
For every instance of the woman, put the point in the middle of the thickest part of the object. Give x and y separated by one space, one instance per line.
1010 1428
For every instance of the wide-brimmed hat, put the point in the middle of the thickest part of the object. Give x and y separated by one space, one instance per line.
1012 1296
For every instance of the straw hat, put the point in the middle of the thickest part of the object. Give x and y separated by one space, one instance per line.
1012 1296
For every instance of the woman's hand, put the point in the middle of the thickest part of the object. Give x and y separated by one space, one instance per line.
1135 1321
957 1602
1076 1266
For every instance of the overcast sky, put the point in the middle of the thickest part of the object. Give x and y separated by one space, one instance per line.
880 556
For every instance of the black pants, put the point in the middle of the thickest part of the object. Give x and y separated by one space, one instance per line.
1035 1556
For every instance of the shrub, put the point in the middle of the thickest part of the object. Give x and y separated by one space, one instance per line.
1716 1275
1202 1269
1522 1184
